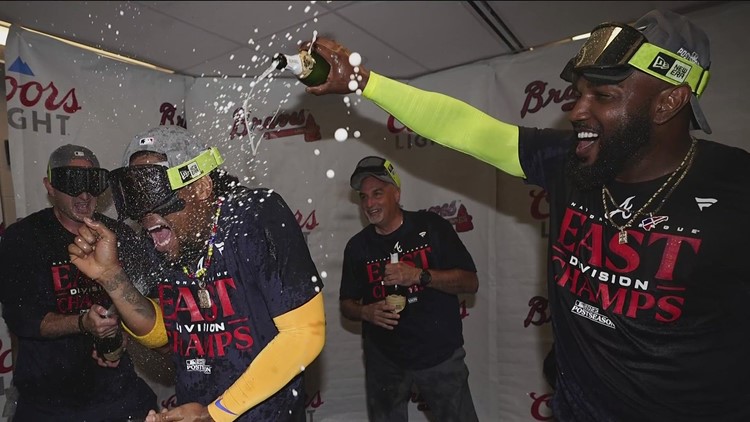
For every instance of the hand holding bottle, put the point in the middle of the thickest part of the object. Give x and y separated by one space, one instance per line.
98 322
341 70
111 345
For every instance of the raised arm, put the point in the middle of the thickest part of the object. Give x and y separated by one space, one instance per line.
443 119
94 251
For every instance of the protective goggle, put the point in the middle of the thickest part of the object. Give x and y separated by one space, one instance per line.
374 166
152 188
613 49
74 181
143 189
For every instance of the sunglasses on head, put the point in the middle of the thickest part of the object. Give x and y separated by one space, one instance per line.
376 166
74 181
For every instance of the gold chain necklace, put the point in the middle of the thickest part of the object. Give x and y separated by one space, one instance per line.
682 170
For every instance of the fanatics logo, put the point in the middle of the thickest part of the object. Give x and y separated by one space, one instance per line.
704 202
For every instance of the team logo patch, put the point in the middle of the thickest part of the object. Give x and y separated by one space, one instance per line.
591 312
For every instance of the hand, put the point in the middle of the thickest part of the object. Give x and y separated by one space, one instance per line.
94 251
189 412
99 322
341 70
401 274
380 314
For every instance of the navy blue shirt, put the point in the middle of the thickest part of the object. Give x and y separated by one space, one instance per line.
429 329
260 269
58 375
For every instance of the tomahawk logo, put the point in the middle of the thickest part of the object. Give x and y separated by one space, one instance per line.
624 209
704 202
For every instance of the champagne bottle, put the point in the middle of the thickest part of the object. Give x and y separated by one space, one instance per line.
309 67
110 348
395 295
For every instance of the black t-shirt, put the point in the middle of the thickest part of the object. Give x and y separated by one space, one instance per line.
261 268
36 278
655 329
429 329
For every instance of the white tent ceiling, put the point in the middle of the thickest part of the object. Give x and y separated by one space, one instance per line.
402 39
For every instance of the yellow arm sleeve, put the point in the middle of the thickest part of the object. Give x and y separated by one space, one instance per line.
157 337
300 340
449 122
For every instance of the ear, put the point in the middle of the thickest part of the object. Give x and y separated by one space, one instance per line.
670 102
48 186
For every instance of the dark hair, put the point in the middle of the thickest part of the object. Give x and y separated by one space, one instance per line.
224 183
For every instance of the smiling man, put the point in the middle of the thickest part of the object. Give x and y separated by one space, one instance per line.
419 339
237 266
647 284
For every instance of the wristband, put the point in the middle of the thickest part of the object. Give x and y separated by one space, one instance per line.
80 323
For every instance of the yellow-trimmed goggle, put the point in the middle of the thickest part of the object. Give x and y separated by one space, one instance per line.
612 48
152 188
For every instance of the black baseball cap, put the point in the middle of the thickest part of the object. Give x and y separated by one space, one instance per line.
377 167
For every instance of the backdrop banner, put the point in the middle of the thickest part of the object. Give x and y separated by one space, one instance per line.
275 136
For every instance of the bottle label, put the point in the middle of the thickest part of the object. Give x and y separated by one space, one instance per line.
398 301
308 63
114 355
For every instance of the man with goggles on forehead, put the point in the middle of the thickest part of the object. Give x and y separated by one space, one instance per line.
237 260
55 311
622 187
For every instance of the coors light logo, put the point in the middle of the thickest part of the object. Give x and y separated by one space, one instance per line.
44 107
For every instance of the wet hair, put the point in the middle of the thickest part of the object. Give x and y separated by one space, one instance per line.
224 183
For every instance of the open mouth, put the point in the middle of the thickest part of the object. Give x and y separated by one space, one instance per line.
81 207
161 235
586 140
373 212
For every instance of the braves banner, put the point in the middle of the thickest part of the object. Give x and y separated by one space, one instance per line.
273 135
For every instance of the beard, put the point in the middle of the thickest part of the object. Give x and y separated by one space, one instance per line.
620 148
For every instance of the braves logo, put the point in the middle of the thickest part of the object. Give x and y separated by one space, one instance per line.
539 402
624 209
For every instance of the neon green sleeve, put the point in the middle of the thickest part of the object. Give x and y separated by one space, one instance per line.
157 337
449 122
300 340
